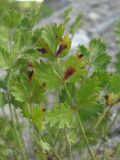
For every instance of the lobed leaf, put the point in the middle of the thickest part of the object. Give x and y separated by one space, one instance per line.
87 98
61 115
4 59
114 83
76 24
67 15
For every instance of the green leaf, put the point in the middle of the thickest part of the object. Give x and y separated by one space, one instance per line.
104 78
11 18
48 75
35 113
26 91
37 117
115 83
117 62
64 46
117 31
2 99
96 54
87 99
19 91
67 15
83 50
63 97
73 69
96 47
61 115
25 23
25 110
88 92
4 35
4 59
45 146
101 61
71 136
76 24
51 36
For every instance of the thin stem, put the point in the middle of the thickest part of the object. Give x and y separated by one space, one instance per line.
70 147
85 137
52 149
101 118
70 151
20 133
115 118
104 136
55 153
16 133
57 136
7 143
9 104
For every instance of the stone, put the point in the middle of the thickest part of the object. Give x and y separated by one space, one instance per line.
93 16
80 38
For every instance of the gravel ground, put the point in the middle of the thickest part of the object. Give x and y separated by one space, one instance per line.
99 17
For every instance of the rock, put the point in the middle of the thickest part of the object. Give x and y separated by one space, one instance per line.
80 38
93 16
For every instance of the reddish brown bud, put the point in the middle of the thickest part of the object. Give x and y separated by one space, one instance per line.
43 109
30 74
62 46
30 65
43 85
69 72
80 56
42 50
106 98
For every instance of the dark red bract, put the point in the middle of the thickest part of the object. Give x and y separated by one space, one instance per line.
69 72
30 74
62 46
42 50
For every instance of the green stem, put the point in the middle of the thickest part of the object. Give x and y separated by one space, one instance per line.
104 143
70 151
20 132
85 137
101 118
9 124
13 148
57 136
115 118
16 133
9 104
57 156
101 143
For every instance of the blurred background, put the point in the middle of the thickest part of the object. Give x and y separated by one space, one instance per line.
99 16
